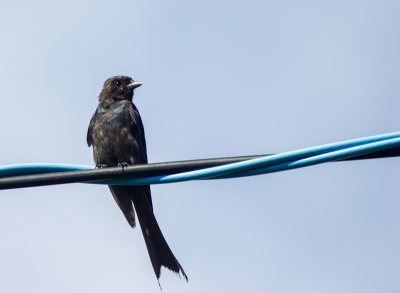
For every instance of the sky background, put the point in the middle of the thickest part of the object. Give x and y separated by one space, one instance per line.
220 78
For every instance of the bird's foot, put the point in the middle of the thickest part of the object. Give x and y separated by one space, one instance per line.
123 165
101 166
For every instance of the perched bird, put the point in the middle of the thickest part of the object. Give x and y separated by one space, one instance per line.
117 135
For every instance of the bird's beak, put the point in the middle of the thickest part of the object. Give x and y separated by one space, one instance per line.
134 84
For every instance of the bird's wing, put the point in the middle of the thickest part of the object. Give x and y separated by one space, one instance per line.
139 132
123 199
90 129
140 138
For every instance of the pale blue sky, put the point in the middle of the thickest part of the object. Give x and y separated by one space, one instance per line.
220 78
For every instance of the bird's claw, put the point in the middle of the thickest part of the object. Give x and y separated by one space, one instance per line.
101 166
123 165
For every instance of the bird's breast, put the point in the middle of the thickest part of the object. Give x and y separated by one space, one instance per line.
113 138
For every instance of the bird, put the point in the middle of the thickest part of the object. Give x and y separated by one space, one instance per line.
117 135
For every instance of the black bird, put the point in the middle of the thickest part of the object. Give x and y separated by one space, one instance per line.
117 135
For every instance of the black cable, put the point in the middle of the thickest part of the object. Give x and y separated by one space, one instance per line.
139 171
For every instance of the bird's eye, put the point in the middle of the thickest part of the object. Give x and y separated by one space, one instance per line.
117 83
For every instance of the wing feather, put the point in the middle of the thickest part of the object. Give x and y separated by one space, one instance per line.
138 126
89 138
140 137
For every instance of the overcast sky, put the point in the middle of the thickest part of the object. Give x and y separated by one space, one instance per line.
220 78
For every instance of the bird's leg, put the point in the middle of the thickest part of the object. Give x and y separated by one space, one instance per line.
123 165
101 166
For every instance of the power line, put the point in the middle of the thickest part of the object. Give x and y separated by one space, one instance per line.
148 170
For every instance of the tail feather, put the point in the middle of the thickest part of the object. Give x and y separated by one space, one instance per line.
157 247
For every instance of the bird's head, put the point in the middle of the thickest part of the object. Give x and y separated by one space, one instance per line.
119 87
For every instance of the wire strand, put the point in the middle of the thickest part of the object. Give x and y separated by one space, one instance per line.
28 175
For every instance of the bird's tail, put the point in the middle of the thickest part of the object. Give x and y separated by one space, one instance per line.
157 247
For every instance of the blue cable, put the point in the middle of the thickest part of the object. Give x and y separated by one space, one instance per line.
275 163
319 159
29 169
262 165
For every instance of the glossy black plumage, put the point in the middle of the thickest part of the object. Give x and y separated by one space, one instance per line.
117 135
